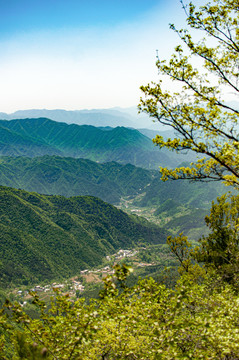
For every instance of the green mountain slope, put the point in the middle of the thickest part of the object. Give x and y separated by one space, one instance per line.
176 205
56 175
70 177
13 144
49 137
48 237
180 206
194 194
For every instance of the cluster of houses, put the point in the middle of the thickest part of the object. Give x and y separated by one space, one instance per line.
122 254
105 269
76 285
115 257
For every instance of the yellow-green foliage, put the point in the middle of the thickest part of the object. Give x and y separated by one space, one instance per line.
219 250
194 321
203 121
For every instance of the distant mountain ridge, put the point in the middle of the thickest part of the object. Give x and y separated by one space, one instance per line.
38 137
77 117
98 117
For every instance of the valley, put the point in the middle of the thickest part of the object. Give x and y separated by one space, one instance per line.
53 237
56 224
84 220
170 215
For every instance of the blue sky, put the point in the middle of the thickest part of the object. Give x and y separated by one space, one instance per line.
22 15
74 54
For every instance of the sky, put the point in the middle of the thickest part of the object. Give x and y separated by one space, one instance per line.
74 54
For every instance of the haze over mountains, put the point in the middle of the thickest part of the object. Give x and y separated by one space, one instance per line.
114 117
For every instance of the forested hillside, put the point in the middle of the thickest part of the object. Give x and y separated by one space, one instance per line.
56 175
194 194
47 237
177 206
37 137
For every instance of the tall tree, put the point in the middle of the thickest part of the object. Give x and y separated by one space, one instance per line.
202 120
219 249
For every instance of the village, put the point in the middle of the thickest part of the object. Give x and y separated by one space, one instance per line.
77 285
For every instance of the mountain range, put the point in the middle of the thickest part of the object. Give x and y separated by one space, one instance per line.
114 117
37 137
181 206
51 236
193 194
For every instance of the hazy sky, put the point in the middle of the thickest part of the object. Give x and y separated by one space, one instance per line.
74 54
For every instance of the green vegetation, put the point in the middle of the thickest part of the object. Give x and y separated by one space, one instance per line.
37 137
56 175
219 249
147 321
49 237
179 206
175 205
178 218
196 111
191 194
